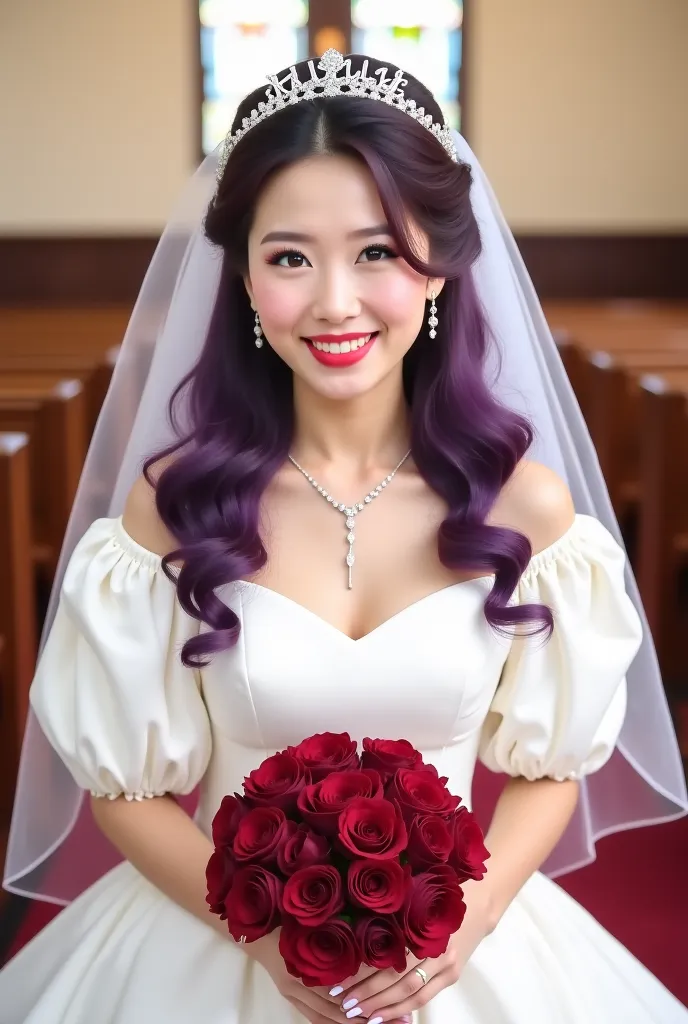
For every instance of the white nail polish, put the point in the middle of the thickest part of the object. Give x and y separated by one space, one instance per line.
375 1020
349 1003
355 1012
336 991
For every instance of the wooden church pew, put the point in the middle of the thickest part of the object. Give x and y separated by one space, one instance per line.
17 611
54 417
663 520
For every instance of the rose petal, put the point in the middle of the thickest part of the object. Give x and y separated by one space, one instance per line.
325 955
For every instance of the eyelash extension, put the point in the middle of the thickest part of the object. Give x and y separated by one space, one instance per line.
275 257
381 248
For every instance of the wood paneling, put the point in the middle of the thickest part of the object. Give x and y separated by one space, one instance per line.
607 266
72 271
92 271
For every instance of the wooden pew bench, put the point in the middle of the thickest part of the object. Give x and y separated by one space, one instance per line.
54 417
635 405
17 613
23 372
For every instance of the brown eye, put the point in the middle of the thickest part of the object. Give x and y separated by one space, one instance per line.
292 259
376 253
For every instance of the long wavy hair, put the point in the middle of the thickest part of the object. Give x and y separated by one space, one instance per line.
239 402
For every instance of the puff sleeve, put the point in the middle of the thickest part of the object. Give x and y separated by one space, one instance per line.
560 704
110 691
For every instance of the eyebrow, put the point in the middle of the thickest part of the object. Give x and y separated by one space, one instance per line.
297 236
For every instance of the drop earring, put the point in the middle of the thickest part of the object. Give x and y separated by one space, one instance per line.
258 331
432 319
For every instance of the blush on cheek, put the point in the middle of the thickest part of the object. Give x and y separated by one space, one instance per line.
281 307
398 299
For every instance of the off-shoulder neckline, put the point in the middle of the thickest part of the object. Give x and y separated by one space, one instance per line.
538 562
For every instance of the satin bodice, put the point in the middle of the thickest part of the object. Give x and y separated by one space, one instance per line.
428 674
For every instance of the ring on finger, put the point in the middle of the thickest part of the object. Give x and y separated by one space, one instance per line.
422 975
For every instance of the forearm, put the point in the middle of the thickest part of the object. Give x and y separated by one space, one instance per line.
165 845
529 820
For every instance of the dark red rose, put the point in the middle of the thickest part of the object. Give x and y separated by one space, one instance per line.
276 782
433 911
387 756
253 905
226 821
378 885
261 835
321 804
382 943
219 875
314 894
324 955
430 841
372 829
468 853
420 791
302 848
326 752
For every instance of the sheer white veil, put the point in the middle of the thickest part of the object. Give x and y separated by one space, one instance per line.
55 851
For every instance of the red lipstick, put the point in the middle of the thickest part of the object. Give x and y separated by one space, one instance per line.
339 337
354 355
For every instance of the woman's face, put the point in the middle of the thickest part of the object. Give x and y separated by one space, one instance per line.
335 301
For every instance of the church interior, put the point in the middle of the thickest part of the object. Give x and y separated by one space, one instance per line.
577 113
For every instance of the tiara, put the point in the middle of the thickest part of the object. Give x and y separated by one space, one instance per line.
337 81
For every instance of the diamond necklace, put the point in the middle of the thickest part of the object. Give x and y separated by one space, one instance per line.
351 511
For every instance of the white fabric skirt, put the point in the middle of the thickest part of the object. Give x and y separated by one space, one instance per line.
123 953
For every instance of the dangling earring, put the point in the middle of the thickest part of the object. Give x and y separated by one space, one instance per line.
432 319
258 331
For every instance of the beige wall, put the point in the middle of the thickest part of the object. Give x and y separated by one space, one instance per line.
97 118
577 111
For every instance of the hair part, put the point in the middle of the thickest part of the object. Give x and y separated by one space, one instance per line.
239 401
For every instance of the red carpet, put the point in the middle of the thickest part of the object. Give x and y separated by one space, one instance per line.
636 888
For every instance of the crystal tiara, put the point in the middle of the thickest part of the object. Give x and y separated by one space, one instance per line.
337 81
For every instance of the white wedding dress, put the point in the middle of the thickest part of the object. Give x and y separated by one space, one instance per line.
113 698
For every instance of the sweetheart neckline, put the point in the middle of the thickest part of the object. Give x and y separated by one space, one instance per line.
460 584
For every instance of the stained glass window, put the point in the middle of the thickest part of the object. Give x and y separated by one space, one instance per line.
242 41
421 36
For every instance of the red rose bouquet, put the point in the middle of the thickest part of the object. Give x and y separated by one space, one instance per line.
357 856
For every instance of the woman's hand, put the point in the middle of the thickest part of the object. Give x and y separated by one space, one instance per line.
387 996
315 1004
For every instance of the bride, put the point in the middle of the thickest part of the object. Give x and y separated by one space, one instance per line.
347 523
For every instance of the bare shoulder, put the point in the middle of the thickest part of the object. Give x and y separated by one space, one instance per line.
537 503
142 522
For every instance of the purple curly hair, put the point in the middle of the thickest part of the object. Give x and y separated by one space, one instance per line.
239 402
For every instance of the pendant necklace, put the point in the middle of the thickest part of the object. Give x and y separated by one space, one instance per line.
350 511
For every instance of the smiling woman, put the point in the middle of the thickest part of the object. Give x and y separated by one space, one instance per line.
320 173
324 204
333 310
